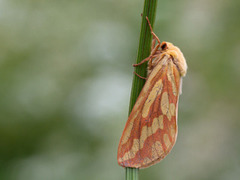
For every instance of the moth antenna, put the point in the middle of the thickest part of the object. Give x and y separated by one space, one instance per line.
139 75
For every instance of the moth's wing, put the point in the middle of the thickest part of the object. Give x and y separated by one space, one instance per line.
163 118
151 129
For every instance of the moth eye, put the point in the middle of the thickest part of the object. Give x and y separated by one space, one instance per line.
163 46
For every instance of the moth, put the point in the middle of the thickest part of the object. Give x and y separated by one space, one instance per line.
151 129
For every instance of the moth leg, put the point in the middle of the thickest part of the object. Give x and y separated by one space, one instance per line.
139 75
150 66
154 35
153 50
150 63
145 60
153 43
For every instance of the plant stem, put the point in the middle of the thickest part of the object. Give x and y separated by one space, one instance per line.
144 49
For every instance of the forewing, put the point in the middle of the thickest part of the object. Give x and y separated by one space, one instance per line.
151 128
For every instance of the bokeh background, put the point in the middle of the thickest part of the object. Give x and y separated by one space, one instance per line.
65 82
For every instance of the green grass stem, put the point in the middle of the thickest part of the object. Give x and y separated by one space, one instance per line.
144 49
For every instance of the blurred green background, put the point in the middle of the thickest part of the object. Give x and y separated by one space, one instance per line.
65 82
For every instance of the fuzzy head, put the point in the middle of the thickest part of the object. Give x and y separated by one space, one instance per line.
177 56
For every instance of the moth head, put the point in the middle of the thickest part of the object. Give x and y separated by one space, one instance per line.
177 56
